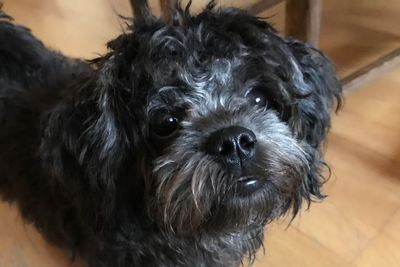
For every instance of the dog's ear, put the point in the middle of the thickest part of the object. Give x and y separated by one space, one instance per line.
88 134
316 90
85 143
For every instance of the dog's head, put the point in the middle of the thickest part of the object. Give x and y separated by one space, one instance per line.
214 121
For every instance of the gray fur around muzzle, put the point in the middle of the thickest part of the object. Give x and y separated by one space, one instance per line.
196 188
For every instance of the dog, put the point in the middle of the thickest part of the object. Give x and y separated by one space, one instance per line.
175 148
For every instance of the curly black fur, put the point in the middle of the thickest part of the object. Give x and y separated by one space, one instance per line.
79 158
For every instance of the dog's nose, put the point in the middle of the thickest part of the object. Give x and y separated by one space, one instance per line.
234 145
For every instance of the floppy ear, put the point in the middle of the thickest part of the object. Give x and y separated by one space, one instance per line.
86 136
317 91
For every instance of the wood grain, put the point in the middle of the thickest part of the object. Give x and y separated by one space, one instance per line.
303 20
373 70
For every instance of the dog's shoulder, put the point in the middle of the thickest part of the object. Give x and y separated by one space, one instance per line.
31 79
28 69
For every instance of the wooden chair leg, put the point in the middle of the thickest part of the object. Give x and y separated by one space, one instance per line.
262 5
166 7
303 20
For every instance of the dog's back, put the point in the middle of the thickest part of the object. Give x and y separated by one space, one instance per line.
31 77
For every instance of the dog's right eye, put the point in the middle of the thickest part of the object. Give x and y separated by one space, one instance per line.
164 124
257 97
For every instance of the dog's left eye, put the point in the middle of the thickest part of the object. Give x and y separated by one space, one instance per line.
164 124
257 97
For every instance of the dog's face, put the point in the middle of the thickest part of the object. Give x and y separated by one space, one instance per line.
221 118
218 122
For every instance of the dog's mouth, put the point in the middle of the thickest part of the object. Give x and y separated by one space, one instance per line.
247 185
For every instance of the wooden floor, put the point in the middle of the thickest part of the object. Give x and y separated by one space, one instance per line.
358 225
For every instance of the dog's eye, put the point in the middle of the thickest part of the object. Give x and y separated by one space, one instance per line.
163 123
257 97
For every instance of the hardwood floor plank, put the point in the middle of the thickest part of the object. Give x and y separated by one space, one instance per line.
384 249
288 247
22 246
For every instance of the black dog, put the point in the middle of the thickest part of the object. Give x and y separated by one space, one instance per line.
175 148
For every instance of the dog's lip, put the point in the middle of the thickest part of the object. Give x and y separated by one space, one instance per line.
247 185
248 180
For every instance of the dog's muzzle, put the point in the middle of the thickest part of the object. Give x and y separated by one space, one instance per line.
235 146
